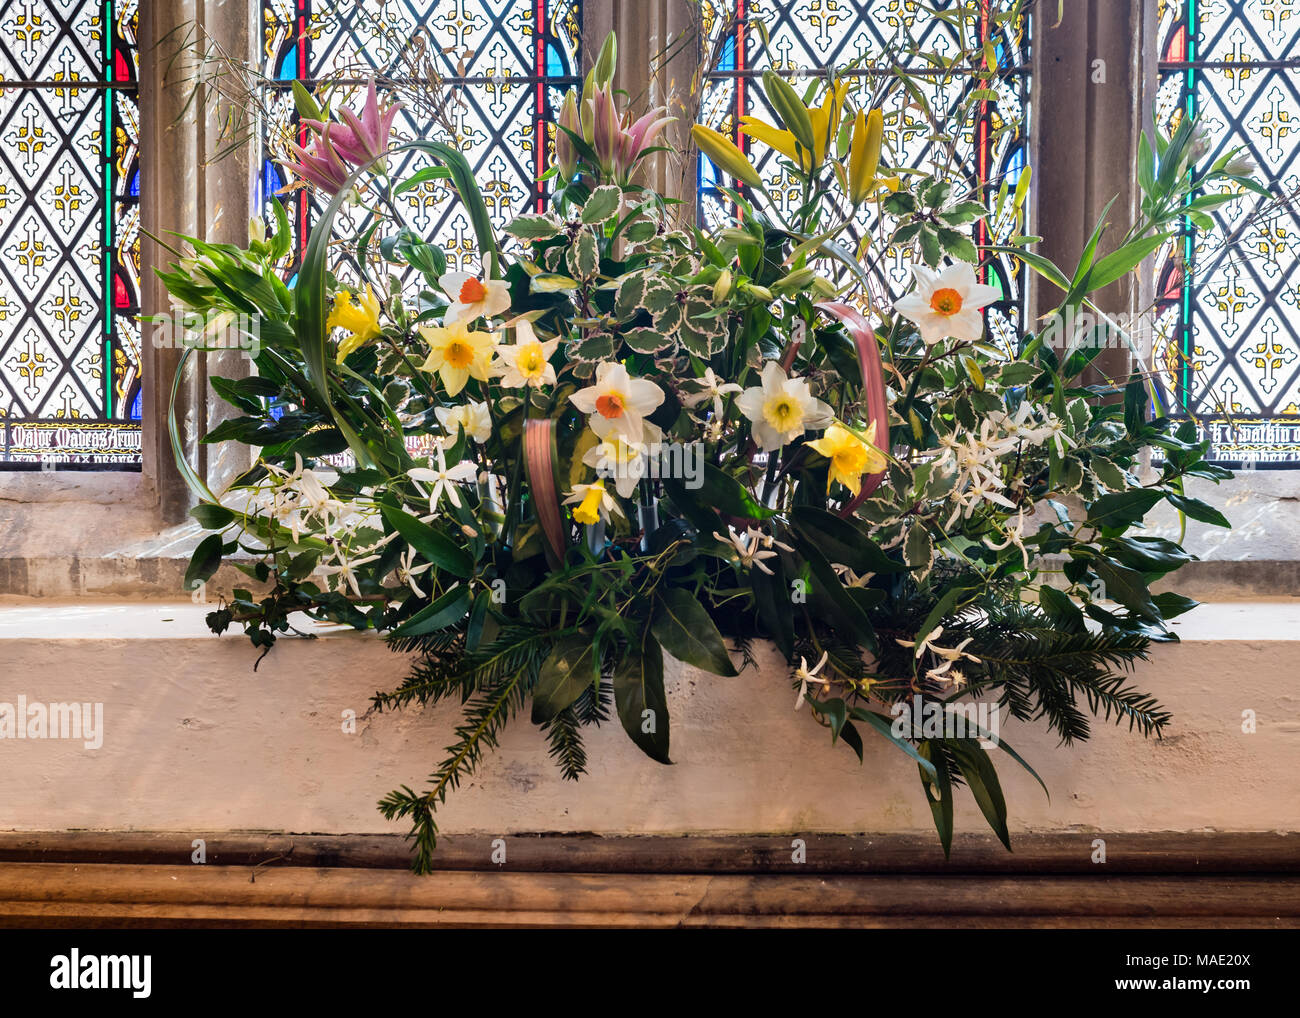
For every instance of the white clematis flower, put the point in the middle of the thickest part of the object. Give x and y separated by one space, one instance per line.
806 675
444 480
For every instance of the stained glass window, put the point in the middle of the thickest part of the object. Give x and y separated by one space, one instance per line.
1228 335
69 235
490 73
853 36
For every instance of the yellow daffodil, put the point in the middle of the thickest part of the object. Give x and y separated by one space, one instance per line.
864 158
457 354
527 363
360 319
593 503
850 456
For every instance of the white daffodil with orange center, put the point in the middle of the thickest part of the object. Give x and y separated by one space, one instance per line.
947 304
458 354
473 298
528 362
781 409
850 456
618 403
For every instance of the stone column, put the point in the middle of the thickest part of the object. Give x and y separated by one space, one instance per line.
183 189
1093 86
658 53
169 199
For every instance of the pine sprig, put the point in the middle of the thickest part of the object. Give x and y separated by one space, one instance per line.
501 674
1042 671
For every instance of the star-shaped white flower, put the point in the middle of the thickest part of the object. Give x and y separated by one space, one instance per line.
444 480
806 675
407 571
748 547
344 569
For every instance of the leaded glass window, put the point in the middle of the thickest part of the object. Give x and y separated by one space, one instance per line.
69 235
859 37
489 73
1228 335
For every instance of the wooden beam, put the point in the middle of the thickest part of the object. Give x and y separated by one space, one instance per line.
36 894
265 880
1151 854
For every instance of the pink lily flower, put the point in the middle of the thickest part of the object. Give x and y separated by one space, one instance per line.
634 140
321 165
605 127
361 139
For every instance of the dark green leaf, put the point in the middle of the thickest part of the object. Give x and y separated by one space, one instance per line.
212 516
1198 510
445 611
204 562
685 630
434 546
982 779
638 689
570 668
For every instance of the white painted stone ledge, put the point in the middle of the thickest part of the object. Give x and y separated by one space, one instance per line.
194 739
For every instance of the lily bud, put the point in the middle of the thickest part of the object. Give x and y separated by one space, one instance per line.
604 69
725 155
756 291
722 286
566 156
796 280
864 154
605 127
824 287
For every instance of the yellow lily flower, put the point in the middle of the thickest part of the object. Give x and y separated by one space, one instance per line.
850 456
826 119
360 319
864 158
774 137
825 122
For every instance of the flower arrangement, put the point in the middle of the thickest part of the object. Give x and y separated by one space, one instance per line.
617 436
